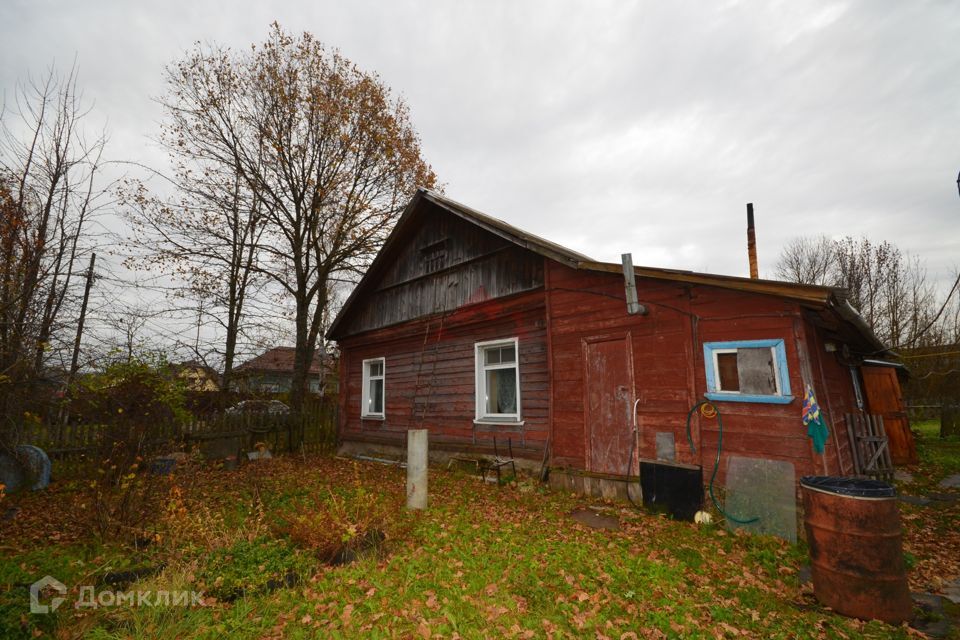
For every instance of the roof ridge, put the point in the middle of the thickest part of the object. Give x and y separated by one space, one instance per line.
826 296
520 236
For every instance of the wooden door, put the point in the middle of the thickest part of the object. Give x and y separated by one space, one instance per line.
608 390
882 391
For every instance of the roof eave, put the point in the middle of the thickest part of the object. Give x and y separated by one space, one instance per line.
846 311
806 293
505 230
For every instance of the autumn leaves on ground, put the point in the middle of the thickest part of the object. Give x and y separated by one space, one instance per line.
322 547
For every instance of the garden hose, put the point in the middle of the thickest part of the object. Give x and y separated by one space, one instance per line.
709 410
633 447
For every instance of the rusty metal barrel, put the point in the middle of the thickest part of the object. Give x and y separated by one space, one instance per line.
856 547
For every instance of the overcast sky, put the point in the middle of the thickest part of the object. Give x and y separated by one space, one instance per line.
607 127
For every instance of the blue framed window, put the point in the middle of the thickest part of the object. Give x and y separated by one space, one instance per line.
747 371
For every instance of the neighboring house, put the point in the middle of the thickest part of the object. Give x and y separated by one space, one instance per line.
272 372
475 330
197 376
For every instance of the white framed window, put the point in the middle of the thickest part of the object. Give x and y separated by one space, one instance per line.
747 371
498 380
374 383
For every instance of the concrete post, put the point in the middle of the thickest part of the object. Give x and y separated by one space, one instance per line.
416 468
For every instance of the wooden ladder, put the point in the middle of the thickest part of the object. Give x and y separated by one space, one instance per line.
869 445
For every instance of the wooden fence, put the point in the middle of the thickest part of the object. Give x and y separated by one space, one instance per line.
870 446
918 412
315 429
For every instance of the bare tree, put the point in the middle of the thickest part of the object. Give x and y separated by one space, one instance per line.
207 235
891 290
862 268
127 341
49 193
810 260
330 155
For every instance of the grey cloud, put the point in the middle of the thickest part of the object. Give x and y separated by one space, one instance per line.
607 126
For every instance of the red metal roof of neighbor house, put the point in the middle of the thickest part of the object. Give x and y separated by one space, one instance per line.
819 296
276 360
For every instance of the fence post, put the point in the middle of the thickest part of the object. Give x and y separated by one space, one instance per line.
417 469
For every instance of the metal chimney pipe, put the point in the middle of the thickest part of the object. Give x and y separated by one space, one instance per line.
752 243
633 304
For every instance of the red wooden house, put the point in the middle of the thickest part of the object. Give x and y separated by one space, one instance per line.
476 330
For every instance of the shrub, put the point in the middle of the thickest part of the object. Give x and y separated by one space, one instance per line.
194 524
138 392
340 526
132 402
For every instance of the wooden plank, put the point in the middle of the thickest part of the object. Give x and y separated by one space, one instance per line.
864 451
859 429
887 456
445 264
869 446
875 446
430 370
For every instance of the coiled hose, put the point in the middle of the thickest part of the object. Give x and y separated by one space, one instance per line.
716 463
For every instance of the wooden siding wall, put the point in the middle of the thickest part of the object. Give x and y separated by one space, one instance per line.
669 371
758 430
836 397
430 377
585 305
447 264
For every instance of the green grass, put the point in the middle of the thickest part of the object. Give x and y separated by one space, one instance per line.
482 561
932 540
939 456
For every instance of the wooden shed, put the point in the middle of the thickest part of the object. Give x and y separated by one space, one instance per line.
475 330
